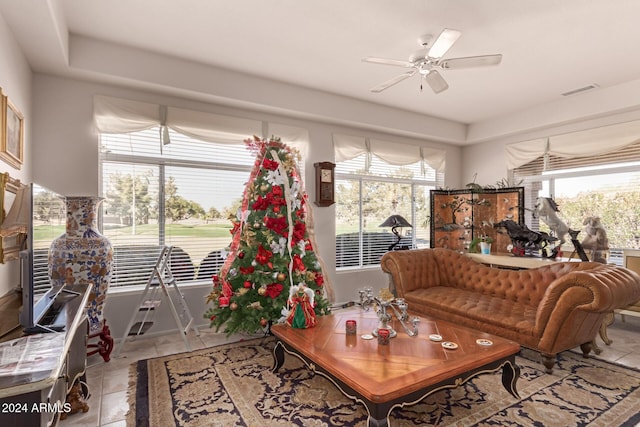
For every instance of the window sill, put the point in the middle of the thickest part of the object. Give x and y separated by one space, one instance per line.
343 270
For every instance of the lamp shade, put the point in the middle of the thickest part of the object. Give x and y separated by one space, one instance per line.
396 221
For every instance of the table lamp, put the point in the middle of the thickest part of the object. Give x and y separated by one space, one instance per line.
395 222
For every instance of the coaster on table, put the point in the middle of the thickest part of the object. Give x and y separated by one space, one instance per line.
435 337
482 341
367 337
449 345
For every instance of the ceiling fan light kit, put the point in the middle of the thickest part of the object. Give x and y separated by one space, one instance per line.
436 82
427 60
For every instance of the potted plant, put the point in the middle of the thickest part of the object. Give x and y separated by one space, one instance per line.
481 244
485 244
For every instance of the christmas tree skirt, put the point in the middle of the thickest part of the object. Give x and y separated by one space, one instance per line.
232 385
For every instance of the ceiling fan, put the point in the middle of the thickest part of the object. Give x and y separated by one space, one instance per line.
427 60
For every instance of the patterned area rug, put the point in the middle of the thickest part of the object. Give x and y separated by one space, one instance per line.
232 385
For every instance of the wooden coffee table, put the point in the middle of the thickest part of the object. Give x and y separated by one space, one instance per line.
401 373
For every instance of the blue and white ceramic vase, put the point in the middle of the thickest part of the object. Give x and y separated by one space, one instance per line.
82 255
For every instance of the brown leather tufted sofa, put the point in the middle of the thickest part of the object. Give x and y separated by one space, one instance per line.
549 309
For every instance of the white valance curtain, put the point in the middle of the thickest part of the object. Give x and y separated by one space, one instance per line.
116 115
591 142
347 147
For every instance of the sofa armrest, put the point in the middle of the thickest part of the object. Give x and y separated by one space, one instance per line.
599 289
411 269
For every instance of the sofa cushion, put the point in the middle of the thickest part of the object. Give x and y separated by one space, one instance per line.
482 308
527 287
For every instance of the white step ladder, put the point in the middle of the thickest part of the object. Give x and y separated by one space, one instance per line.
160 280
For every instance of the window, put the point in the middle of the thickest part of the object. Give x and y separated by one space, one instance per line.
606 186
365 197
179 194
49 223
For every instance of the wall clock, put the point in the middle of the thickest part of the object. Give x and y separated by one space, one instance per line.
325 183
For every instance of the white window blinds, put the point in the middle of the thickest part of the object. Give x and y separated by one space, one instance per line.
582 144
374 180
172 176
603 186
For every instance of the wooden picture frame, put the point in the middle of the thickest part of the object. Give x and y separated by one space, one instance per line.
10 246
11 133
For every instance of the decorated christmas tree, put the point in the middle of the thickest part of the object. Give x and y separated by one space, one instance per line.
271 256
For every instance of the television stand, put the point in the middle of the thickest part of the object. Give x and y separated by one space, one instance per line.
45 389
43 329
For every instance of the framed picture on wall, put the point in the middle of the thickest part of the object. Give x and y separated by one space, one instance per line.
11 243
11 133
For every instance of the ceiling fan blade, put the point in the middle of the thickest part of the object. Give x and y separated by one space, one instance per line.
393 81
470 61
385 61
435 80
443 43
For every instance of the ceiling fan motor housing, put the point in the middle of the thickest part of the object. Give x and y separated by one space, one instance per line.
418 55
425 68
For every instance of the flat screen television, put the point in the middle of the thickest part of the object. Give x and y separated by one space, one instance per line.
47 213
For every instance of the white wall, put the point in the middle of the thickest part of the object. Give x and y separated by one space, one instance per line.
483 162
66 160
64 148
15 81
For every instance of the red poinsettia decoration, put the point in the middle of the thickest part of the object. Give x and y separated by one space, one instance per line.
274 199
276 191
278 225
247 270
277 201
298 231
264 255
298 264
270 164
273 290
260 204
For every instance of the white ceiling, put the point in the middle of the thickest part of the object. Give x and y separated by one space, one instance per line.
549 47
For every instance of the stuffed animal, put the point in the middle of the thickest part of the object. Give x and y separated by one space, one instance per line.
596 238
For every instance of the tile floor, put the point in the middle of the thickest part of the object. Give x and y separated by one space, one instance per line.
108 381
